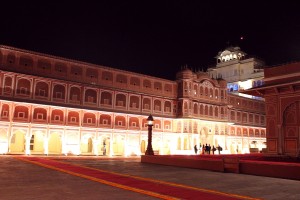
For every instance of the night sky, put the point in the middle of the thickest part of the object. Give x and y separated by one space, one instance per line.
153 37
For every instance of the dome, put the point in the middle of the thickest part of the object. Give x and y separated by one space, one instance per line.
185 74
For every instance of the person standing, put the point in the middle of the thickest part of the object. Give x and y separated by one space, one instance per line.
196 149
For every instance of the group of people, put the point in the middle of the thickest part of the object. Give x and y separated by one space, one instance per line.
206 149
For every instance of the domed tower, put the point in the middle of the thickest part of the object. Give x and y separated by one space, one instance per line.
240 70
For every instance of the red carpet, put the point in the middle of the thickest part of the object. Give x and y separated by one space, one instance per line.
151 187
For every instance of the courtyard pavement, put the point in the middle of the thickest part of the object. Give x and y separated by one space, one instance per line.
23 180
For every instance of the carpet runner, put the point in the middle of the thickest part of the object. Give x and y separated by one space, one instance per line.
151 187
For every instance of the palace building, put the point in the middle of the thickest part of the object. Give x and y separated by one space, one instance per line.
54 105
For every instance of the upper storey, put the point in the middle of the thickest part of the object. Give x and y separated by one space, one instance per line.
42 65
234 65
231 53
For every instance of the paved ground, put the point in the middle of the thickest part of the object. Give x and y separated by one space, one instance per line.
22 180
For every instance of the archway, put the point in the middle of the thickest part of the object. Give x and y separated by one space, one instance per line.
86 146
291 125
37 142
55 144
3 141
118 145
17 142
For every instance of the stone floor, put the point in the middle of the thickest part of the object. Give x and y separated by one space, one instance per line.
22 180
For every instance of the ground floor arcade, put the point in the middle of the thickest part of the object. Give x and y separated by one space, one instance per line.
27 138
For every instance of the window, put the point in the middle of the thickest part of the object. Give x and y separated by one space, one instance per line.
21 115
156 126
90 99
23 90
73 119
146 106
58 95
89 120
74 97
42 93
7 89
40 116
120 103
120 123
157 107
133 124
5 114
106 101
167 127
56 117
168 109
105 121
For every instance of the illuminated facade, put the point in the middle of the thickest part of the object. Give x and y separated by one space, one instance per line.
240 70
282 94
53 105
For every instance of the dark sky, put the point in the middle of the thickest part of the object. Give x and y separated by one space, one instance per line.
153 37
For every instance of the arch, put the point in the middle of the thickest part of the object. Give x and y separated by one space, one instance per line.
120 100
40 114
121 78
134 102
185 107
147 83
54 143
206 110
5 111
90 96
196 109
23 87
17 142
168 88
89 119
4 140
206 92
106 98
167 125
57 116
135 81
211 111
216 112
120 121
37 142
105 119
147 103
73 117
167 107
21 112
107 76
86 144
157 105
201 109
158 86
118 145
8 85
74 94
134 122
59 92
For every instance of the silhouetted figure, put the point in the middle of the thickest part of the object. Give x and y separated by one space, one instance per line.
209 148
206 149
195 148
219 148
203 149
213 150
